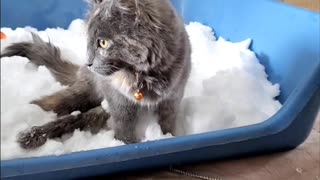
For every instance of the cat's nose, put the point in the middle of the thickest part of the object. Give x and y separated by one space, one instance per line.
89 64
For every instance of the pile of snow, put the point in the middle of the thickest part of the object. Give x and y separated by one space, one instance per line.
228 88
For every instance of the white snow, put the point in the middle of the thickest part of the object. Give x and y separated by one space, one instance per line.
228 88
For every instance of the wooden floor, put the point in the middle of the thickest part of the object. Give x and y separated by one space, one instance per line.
302 163
313 5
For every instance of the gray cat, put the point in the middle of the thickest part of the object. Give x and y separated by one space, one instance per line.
138 60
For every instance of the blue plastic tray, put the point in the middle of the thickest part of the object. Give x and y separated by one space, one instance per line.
286 40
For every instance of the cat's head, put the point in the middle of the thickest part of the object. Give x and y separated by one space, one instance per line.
136 35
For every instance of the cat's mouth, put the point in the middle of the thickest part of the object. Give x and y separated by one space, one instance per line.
110 67
104 71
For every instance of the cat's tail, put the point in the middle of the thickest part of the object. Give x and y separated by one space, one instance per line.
44 54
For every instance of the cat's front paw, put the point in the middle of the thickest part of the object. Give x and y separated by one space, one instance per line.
127 138
33 138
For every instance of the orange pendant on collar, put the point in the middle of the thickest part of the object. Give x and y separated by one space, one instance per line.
138 95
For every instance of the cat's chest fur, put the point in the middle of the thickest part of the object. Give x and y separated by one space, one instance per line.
120 83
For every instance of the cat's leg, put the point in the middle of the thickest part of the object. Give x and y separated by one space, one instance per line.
124 116
81 96
66 101
167 111
93 120
124 123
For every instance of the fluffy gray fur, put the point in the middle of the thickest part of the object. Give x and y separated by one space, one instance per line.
146 37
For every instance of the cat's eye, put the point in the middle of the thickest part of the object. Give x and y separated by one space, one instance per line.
102 43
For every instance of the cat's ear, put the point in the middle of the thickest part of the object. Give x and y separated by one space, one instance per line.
146 11
132 7
92 2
